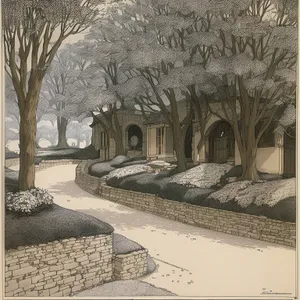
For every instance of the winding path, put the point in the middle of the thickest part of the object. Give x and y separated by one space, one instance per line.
191 261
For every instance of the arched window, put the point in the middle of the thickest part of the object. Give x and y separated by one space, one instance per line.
135 138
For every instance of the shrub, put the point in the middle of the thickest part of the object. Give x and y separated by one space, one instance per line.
116 161
132 163
100 169
204 176
173 191
28 202
130 170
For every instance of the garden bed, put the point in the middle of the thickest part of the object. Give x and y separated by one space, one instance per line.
214 186
54 223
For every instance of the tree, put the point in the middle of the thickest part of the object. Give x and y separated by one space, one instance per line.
33 32
154 51
48 131
256 63
105 52
250 50
63 89
79 131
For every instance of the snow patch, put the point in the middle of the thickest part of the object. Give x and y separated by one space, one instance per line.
129 170
203 176
229 191
246 192
267 193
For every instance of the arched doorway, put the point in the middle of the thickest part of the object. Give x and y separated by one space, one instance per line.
188 142
221 143
289 144
135 138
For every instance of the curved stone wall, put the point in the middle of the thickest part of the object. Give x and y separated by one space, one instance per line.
250 226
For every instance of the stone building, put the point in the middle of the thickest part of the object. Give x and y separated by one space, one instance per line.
276 153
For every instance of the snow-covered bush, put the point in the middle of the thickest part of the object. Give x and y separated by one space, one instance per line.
246 192
203 176
28 202
129 170
230 191
267 193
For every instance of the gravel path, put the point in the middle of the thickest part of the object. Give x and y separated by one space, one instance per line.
191 261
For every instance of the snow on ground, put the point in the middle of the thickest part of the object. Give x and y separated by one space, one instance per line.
202 176
130 170
191 261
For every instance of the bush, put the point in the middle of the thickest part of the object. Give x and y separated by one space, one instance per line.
100 169
196 195
130 170
118 160
28 202
203 176
11 181
132 163
173 191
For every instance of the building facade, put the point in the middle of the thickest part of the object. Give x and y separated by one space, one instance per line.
153 138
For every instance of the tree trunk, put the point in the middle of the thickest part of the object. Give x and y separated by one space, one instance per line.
179 147
120 149
119 143
27 147
248 158
62 124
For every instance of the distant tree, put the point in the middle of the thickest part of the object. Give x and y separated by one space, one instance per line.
63 89
33 32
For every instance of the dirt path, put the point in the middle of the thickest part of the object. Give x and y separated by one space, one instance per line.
191 261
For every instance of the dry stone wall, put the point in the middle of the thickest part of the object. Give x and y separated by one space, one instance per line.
250 226
131 265
63 268
58 268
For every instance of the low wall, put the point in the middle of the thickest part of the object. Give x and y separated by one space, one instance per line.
44 164
85 181
245 225
9 162
63 268
58 268
131 265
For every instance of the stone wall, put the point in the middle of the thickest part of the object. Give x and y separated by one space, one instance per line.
9 162
58 268
250 226
52 163
131 265
63 268
44 164
84 180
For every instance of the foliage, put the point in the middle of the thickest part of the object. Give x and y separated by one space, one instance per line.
28 202
205 175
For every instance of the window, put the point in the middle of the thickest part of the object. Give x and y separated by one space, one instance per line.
268 138
160 133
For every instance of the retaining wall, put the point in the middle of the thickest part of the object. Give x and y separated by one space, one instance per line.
58 268
245 225
63 268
